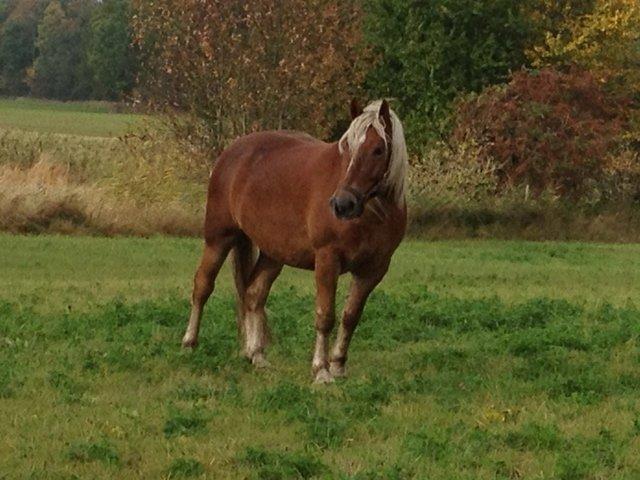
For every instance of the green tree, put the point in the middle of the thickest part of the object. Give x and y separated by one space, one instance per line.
430 51
110 55
18 28
4 10
60 69
53 74
16 55
81 13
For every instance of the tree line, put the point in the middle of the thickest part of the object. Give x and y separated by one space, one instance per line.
66 49
547 89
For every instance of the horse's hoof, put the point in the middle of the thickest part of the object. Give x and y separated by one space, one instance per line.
323 377
337 370
259 361
189 342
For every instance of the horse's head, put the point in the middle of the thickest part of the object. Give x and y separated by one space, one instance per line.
368 158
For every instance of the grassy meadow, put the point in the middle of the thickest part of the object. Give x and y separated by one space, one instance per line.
474 360
91 119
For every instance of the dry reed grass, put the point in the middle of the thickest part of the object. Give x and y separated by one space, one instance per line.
148 183
44 197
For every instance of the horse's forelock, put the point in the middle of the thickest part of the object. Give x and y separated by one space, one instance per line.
355 137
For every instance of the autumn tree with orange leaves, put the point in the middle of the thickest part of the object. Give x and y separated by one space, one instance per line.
240 66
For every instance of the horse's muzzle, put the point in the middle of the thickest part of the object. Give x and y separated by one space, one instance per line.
346 205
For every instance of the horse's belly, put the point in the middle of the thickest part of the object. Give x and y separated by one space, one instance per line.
288 253
283 239
300 259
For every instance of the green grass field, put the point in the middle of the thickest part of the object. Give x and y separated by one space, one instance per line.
475 360
91 119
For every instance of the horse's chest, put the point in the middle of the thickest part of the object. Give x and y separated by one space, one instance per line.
362 246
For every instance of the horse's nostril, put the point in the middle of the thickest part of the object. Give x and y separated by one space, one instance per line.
336 205
343 206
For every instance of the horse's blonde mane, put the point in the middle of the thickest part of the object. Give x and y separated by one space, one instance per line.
395 178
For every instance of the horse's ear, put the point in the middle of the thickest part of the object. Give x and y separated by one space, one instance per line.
356 110
385 114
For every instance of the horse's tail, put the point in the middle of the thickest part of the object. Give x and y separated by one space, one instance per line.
243 256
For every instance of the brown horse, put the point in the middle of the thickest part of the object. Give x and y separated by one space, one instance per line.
329 207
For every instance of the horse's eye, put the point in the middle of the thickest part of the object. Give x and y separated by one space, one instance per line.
377 151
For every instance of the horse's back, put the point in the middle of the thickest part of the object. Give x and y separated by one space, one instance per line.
259 144
257 148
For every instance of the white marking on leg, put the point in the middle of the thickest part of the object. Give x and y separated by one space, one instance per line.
252 342
337 365
190 338
319 364
342 343
320 352
256 337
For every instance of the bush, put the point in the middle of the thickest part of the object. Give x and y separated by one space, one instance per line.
451 174
545 129
240 66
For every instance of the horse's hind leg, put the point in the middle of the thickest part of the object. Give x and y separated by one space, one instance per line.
255 321
213 257
244 260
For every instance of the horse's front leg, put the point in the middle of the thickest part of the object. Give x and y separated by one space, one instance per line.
361 287
327 270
